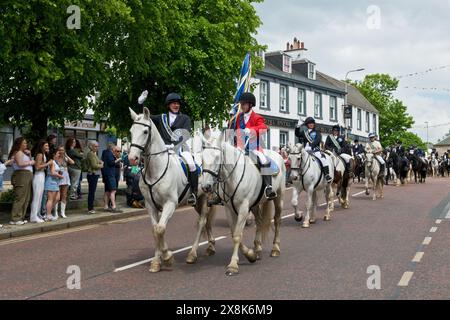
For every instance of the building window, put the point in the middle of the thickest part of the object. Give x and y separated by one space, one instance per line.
375 123
287 65
311 71
333 108
283 99
318 105
301 102
359 120
284 138
367 122
264 95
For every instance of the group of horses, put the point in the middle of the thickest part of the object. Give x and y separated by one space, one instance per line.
229 173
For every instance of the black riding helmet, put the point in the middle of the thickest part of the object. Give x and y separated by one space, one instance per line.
336 128
248 97
173 97
309 120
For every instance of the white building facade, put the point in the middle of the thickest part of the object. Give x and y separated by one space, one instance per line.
289 89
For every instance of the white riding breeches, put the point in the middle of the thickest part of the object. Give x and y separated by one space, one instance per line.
261 156
187 157
324 160
380 158
346 157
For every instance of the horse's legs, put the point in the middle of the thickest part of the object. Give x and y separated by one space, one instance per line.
309 204
239 225
160 229
211 250
313 209
203 211
278 203
155 265
367 184
329 200
294 201
258 233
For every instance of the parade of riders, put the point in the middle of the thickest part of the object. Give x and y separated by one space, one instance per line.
374 146
336 143
175 128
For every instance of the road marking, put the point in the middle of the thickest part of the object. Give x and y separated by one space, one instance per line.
357 194
438 221
418 256
433 229
149 260
448 215
404 281
426 241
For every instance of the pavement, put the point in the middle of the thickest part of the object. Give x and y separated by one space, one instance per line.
76 213
404 237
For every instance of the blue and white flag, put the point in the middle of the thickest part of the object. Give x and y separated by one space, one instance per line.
243 84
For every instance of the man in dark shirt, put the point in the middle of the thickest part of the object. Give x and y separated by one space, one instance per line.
109 178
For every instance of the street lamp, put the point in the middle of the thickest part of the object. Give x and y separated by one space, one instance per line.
426 122
345 97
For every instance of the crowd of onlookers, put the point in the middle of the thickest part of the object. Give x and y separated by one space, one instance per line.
47 175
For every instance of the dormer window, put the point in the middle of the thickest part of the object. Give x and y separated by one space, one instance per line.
311 71
287 64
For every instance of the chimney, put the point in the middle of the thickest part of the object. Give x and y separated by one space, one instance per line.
296 50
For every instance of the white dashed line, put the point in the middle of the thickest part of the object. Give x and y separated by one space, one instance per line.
448 215
426 241
438 221
433 229
404 281
418 257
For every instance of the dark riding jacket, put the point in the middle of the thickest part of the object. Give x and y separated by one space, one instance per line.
330 145
315 137
161 122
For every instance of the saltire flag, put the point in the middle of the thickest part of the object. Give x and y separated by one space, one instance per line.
243 85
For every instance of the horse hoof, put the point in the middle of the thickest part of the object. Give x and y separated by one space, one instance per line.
367 193
312 221
191 259
298 219
326 218
155 266
251 256
305 225
210 252
275 253
169 261
232 271
258 255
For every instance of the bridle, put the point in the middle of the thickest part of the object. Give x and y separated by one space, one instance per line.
147 157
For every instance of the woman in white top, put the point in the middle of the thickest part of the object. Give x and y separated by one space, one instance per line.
63 161
21 180
41 164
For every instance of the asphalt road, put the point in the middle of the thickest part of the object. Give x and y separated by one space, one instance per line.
330 260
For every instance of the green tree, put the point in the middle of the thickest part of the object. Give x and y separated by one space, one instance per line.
394 120
194 47
48 70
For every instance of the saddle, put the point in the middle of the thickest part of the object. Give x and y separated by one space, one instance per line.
184 166
272 167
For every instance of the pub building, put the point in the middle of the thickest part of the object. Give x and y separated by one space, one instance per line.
289 88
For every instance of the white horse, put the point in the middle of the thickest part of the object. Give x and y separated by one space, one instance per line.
372 170
240 185
434 166
163 183
306 174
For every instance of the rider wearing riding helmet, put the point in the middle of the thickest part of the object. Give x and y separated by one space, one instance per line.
357 148
174 128
250 125
375 147
336 143
311 139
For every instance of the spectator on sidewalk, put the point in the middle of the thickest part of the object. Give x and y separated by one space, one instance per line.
79 147
118 165
40 152
63 161
52 140
3 165
54 175
21 180
75 168
109 178
94 164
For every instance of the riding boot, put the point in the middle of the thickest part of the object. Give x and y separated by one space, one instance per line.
348 168
193 182
382 170
326 171
268 191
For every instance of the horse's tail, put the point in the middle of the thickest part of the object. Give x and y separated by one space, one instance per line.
266 219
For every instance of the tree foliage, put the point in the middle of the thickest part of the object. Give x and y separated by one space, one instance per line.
194 47
394 120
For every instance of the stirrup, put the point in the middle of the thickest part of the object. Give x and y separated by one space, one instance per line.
272 194
192 200
328 178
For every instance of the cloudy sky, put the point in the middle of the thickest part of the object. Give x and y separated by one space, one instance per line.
410 36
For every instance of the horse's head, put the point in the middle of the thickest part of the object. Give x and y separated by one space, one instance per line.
141 135
295 156
211 160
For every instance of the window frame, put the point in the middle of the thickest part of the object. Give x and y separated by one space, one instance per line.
320 116
334 115
304 102
286 99
359 119
267 84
